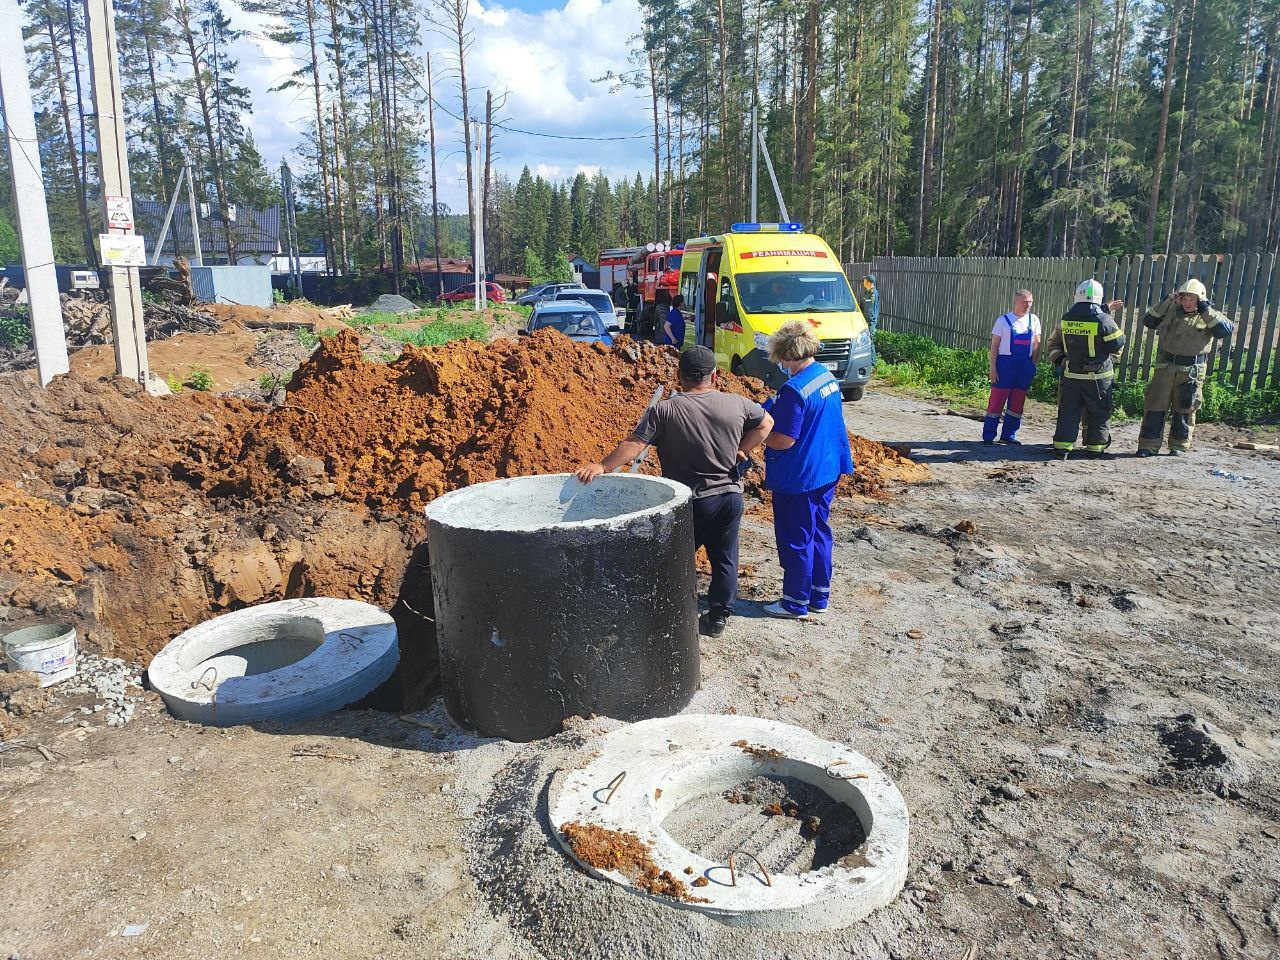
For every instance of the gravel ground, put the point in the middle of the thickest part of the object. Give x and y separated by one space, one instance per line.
1077 699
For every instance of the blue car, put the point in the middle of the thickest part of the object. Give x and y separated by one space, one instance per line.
573 318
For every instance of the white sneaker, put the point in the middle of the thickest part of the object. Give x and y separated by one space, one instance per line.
776 609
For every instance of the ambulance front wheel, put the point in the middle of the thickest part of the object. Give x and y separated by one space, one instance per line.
851 393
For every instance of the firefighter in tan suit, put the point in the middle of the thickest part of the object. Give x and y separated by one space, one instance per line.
1187 327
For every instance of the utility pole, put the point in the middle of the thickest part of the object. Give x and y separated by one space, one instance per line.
755 165
124 292
477 224
29 200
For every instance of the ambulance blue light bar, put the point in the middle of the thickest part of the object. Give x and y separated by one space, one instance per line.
767 228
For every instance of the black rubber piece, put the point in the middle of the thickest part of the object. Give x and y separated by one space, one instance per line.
539 625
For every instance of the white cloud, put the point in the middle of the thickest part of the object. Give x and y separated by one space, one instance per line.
279 118
546 62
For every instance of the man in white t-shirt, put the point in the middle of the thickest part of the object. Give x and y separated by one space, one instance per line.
1015 348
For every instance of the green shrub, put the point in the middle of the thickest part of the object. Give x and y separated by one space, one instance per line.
199 379
277 295
916 362
175 385
15 329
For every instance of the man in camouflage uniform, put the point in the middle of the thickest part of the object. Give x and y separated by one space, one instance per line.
1083 348
1188 327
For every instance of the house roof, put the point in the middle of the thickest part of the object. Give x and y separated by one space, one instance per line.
460 265
257 232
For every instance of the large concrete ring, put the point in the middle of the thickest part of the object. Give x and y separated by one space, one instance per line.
286 661
674 759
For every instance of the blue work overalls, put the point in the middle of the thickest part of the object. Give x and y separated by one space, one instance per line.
1014 374
803 481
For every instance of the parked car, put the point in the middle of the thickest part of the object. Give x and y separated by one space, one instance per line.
546 291
574 319
598 300
468 292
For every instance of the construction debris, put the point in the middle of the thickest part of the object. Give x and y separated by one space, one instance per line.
86 318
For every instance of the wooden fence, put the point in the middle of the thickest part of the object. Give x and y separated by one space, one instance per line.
955 300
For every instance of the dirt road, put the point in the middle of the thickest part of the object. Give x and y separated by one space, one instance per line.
1077 699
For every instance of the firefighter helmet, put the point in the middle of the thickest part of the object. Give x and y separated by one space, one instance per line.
1089 292
1195 287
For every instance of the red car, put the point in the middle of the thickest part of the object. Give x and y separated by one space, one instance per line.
468 292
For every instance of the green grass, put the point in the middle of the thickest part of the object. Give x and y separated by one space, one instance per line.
384 318
918 363
442 331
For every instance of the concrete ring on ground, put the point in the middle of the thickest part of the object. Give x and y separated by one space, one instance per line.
675 759
286 661
555 599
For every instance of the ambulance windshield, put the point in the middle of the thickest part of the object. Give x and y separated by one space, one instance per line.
826 292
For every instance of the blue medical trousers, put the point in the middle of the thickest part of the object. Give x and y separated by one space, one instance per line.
802 528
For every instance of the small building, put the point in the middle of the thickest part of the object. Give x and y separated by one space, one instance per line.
579 265
256 233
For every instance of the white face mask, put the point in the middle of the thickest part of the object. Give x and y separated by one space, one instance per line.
786 371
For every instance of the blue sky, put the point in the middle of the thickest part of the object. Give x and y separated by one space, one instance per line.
544 54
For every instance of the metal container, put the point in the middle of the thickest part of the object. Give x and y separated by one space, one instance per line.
555 599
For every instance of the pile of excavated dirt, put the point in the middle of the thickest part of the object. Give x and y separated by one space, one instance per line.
395 436
135 517
96 530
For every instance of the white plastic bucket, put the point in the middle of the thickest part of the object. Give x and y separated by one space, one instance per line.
48 649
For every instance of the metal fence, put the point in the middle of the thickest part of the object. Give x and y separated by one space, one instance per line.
955 300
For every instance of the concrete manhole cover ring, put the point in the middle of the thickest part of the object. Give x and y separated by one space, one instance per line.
286 661
670 761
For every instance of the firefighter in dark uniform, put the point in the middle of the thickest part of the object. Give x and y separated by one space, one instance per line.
1083 348
1187 326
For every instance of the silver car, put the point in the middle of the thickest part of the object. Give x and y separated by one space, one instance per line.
597 300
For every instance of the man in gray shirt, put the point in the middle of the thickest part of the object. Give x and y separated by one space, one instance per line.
701 435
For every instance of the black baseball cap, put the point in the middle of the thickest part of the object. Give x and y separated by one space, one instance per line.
696 363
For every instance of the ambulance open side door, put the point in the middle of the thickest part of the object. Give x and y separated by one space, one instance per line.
708 295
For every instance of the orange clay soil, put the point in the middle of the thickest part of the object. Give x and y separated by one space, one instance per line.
135 517
627 854
392 437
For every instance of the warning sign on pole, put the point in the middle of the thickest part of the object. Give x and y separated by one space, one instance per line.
119 213
122 251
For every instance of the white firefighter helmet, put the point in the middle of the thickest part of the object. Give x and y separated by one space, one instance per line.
1089 292
1196 287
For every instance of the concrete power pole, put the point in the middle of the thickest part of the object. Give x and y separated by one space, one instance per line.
124 290
28 199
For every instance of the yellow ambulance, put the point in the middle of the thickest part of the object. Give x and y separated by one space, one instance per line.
740 286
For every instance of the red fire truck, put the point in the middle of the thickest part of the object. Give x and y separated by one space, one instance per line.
655 275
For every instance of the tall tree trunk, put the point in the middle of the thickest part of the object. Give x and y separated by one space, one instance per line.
376 122
167 175
85 228
82 180
925 211
1182 127
348 215
1153 204
435 197
206 115
343 258
657 146
722 173
812 25
488 159
1020 176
